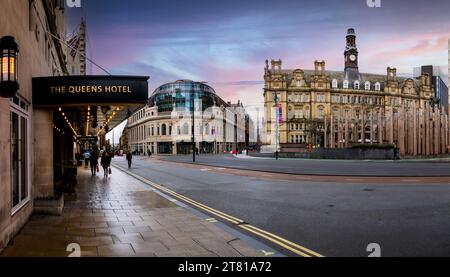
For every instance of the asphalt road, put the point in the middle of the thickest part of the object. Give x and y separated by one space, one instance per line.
333 219
324 167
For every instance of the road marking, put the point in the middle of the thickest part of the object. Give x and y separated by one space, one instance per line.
205 169
212 220
267 253
286 244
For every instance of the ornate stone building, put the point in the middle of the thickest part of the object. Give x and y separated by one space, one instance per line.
339 109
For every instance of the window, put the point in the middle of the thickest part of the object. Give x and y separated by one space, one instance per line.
298 83
334 83
320 113
335 112
377 86
164 130
346 84
186 129
307 112
345 99
367 85
335 99
321 98
356 85
19 121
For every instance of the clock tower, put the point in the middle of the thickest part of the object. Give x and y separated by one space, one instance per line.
351 57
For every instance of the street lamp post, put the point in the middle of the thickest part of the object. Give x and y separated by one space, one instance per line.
193 126
277 127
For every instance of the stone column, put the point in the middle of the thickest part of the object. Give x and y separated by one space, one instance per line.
43 153
414 129
347 133
390 126
325 143
371 126
340 137
363 126
401 131
332 142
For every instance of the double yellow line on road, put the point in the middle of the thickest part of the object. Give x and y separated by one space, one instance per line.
286 244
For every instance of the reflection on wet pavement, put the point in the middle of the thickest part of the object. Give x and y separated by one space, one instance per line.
121 216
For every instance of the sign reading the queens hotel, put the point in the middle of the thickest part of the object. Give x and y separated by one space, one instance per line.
79 90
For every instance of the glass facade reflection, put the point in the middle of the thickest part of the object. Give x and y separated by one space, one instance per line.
179 95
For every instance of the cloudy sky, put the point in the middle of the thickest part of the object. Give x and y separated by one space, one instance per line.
227 42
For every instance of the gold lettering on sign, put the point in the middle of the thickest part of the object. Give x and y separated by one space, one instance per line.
54 90
90 89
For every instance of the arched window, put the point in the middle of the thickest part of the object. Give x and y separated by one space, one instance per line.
346 84
334 83
356 85
367 85
320 112
164 130
335 111
377 86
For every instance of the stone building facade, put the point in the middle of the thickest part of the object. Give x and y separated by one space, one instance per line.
333 109
164 126
26 140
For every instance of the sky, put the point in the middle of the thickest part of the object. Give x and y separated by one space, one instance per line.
226 43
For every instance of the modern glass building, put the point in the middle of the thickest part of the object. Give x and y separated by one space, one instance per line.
179 95
164 126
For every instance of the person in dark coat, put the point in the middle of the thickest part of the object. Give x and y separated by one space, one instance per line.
94 162
129 158
106 163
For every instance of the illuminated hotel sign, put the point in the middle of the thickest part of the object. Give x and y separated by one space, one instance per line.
80 90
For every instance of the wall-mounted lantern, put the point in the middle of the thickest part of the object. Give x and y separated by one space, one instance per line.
9 51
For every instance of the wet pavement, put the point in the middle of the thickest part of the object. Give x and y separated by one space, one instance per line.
121 216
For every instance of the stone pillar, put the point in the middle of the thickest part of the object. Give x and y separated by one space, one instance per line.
427 130
363 126
325 143
401 131
372 133
391 126
43 153
332 142
347 133
414 116
340 136
380 127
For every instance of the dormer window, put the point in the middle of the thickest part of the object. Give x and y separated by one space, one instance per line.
356 85
334 83
298 83
346 84
377 86
367 85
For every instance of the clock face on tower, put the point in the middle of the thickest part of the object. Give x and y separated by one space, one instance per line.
352 58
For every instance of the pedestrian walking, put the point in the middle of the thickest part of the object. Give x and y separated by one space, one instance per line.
106 163
94 162
86 157
129 158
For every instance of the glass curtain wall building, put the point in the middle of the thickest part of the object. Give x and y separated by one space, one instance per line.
164 126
